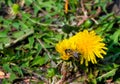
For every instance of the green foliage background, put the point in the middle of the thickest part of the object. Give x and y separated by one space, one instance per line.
30 29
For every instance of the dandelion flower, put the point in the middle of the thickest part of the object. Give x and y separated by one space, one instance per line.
90 46
62 46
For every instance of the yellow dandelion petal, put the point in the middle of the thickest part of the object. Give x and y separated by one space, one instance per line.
86 62
72 42
103 52
65 57
61 46
92 57
81 60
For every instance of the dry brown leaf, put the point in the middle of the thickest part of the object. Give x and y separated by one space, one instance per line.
2 73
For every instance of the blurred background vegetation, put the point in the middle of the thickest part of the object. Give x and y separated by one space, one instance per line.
30 29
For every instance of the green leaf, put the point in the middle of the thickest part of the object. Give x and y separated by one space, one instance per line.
38 47
18 34
108 74
4 40
115 37
36 8
25 16
31 41
23 25
88 23
51 72
106 17
40 60
12 76
7 68
110 25
8 2
58 37
28 2
24 65
16 25
1 46
17 69
4 33
48 40
5 81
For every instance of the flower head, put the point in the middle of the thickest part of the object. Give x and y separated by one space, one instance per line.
90 46
87 44
62 46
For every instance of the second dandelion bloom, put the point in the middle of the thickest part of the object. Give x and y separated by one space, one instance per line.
88 44
63 46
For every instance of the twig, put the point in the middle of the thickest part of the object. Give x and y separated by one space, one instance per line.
83 9
85 16
94 21
48 53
